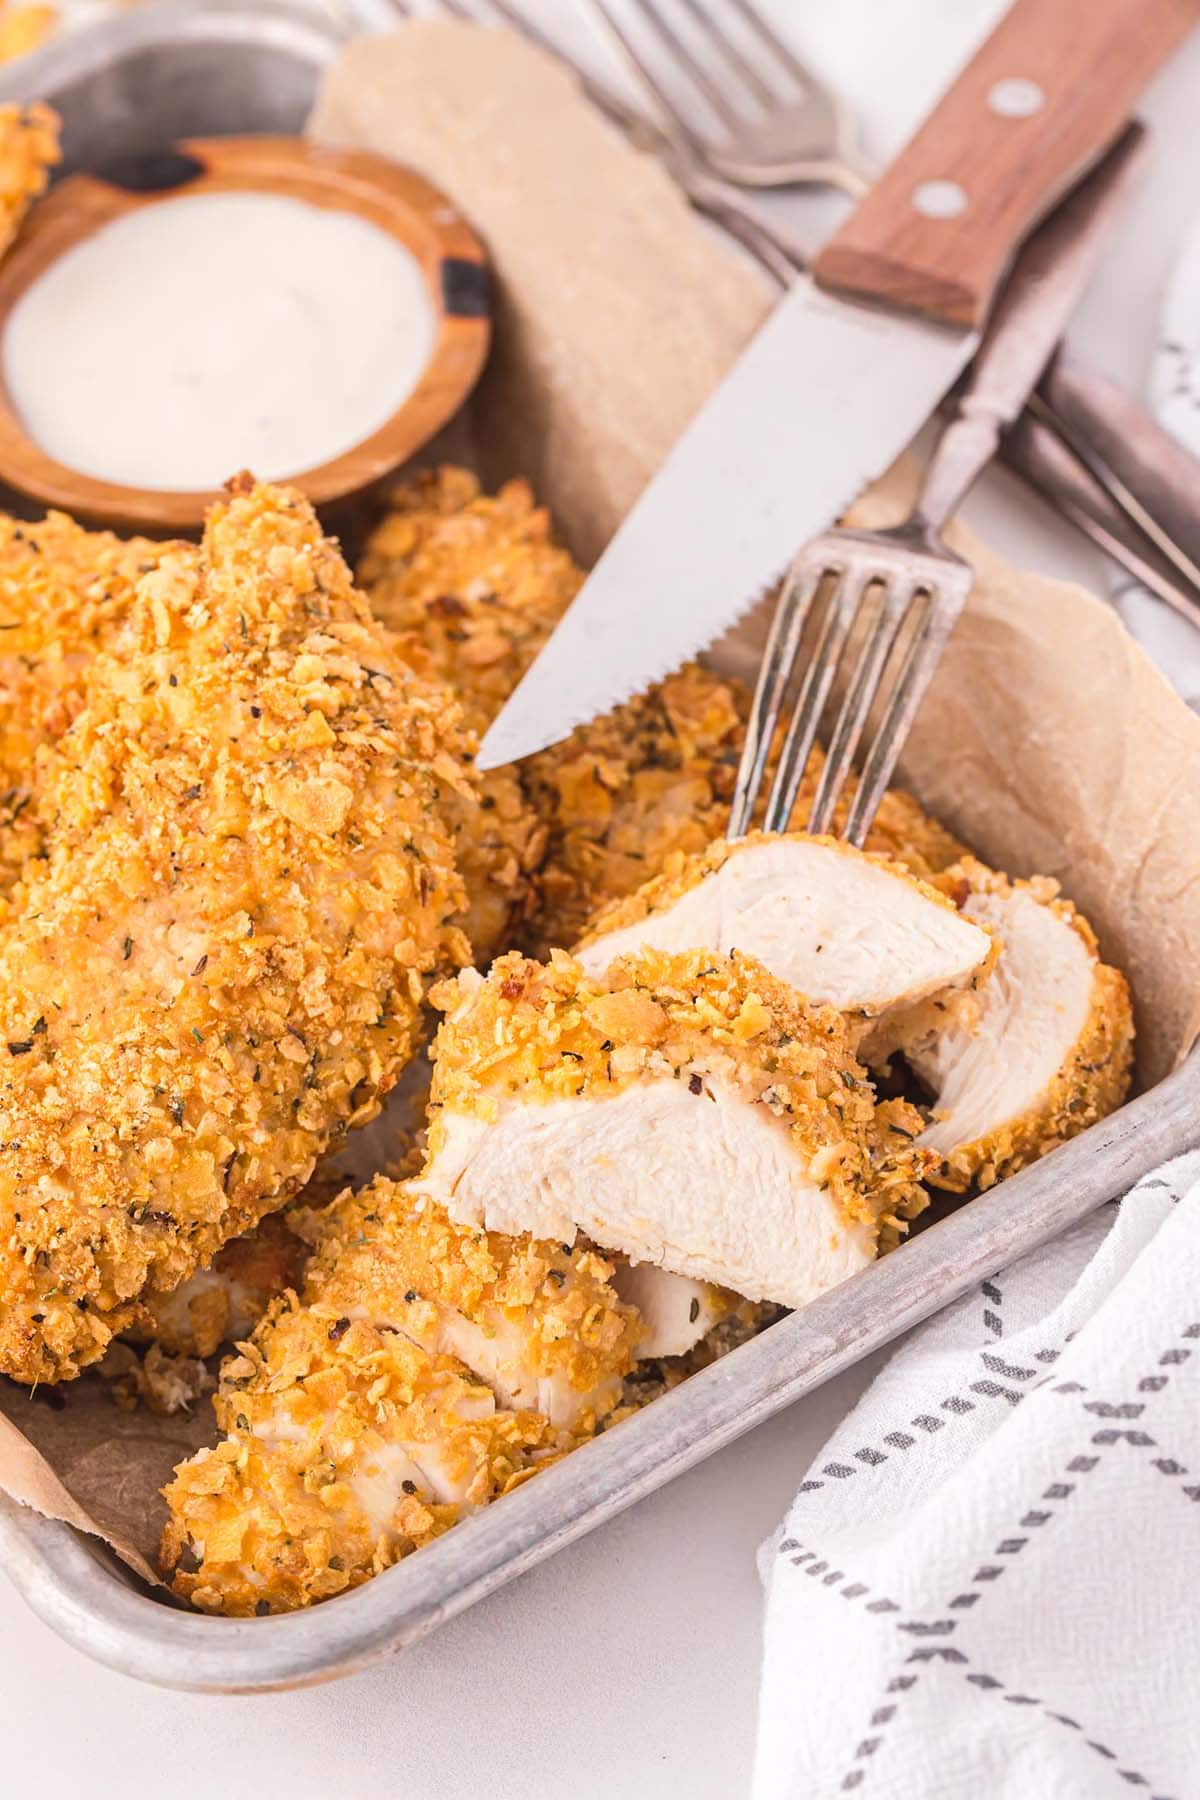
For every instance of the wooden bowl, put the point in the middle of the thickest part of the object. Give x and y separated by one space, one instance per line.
402 203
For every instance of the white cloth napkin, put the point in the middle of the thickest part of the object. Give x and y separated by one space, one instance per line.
988 1582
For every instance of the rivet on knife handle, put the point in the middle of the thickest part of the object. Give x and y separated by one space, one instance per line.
1043 97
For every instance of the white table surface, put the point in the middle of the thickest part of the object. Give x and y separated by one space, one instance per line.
626 1666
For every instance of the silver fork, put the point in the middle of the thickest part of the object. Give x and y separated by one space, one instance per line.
773 123
893 596
777 249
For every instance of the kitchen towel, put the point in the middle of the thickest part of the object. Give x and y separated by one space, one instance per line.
987 1581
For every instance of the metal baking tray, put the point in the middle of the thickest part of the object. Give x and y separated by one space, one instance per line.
203 67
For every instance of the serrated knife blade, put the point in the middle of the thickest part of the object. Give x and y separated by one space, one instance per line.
836 383
825 397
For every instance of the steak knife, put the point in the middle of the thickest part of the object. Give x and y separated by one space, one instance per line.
852 361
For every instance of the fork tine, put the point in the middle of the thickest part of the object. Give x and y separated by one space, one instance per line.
611 28
818 677
779 658
686 60
920 660
772 42
731 52
856 706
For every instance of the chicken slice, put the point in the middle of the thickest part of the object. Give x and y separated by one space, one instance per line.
347 1447
540 1322
223 1303
688 1110
844 928
218 967
426 1362
28 151
676 1312
1052 1049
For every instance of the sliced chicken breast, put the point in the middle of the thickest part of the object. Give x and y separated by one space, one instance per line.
1052 1049
425 1368
346 1448
540 1322
223 1303
844 928
686 1110
676 1312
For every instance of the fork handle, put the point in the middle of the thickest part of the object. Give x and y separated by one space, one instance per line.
1037 104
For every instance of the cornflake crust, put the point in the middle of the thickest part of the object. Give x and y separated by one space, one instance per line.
1052 1051
222 1303
723 1029
219 966
627 790
29 150
473 585
845 927
65 594
353 1435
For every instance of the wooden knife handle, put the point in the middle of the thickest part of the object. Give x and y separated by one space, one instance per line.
1040 100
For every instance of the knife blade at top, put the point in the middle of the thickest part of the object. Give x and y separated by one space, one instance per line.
835 385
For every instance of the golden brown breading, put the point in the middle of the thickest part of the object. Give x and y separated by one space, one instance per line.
540 1322
534 1033
626 790
473 585
474 582
28 151
65 594
353 1433
903 830
1093 1076
222 1303
325 1427
219 966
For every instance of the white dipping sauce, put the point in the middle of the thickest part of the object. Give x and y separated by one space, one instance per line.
217 332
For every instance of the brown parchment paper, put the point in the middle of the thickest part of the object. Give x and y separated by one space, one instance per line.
1048 740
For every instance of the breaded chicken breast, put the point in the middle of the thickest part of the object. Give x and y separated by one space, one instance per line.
473 585
219 964
65 594
28 151
633 1105
1051 1051
426 1368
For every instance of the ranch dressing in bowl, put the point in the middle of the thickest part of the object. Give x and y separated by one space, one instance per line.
209 333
